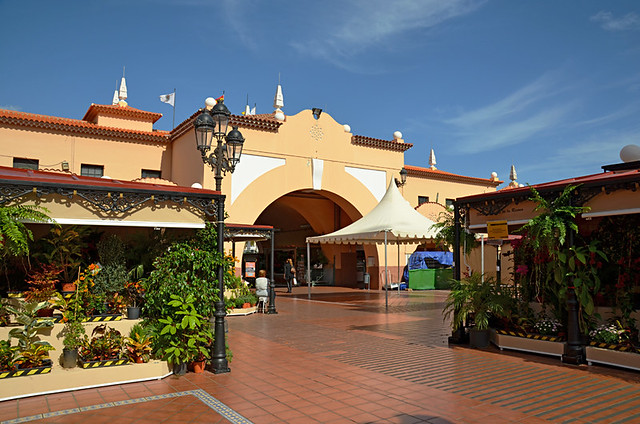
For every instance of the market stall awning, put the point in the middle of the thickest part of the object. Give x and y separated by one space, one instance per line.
74 199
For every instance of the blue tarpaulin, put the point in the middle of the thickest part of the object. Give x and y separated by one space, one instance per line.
417 261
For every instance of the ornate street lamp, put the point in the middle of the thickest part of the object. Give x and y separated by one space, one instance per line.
224 158
403 178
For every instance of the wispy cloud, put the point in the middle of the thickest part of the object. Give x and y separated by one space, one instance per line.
583 157
630 21
518 101
370 24
521 115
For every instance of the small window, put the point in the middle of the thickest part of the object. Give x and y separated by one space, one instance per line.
422 199
149 173
91 170
23 163
450 202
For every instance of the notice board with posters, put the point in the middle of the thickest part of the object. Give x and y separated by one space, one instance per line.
249 270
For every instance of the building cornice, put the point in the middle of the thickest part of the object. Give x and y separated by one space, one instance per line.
75 126
117 110
377 143
436 174
256 122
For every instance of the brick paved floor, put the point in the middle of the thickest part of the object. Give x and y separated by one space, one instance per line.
344 358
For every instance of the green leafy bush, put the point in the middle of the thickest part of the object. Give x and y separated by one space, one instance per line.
182 270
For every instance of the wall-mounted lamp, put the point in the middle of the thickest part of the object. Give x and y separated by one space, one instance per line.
403 178
316 112
65 165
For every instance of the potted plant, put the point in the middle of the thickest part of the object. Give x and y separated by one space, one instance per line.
8 356
104 348
138 344
185 335
74 335
31 352
475 298
42 287
134 292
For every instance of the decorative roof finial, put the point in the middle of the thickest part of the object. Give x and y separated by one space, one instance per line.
115 95
432 160
513 176
278 102
122 95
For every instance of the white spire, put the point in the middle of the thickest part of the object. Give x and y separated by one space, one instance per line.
513 176
278 102
247 110
122 95
432 160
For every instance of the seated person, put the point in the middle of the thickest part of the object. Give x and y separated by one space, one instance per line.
262 285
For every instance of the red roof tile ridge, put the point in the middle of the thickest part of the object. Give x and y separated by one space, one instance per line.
418 169
56 120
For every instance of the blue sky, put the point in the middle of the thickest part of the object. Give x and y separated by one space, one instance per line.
552 87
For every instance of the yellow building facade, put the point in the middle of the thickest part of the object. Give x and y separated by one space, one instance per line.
303 174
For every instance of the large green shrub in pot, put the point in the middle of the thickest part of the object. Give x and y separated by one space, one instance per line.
184 269
475 298
113 274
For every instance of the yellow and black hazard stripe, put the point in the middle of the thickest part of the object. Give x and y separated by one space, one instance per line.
621 348
106 363
544 337
103 318
28 371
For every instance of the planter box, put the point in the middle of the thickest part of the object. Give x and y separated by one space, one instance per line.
104 318
45 369
529 343
242 311
101 364
616 358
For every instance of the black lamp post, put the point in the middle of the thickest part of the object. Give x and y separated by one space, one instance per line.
209 124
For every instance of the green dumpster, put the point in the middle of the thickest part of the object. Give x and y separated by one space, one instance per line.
443 278
422 279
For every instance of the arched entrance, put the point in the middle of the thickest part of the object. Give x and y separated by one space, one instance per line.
304 213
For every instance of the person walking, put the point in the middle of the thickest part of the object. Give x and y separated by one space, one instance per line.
289 274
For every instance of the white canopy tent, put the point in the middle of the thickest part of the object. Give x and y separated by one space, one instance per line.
393 220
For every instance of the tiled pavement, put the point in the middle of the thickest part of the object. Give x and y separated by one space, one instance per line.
340 358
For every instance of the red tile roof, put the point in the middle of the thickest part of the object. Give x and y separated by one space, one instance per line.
265 122
602 179
127 111
31 120
442 175
380 144
68 179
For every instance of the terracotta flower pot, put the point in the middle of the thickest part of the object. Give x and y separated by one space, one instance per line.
246 305
68 287
198 366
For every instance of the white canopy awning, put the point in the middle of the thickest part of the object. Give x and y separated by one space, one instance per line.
393 216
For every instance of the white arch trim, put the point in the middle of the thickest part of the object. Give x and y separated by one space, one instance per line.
375 181
250 168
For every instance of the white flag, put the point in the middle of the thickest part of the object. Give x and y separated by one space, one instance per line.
168 98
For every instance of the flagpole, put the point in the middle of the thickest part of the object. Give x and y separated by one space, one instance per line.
174 110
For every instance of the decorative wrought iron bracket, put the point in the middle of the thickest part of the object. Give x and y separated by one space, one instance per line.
109 200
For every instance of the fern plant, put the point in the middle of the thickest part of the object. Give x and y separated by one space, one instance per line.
14 234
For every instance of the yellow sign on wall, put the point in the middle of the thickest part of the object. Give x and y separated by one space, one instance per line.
497 229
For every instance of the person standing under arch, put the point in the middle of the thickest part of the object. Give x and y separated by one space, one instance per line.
289 274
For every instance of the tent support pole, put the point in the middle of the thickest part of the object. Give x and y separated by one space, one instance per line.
308 271
386 274
398 244
482 258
